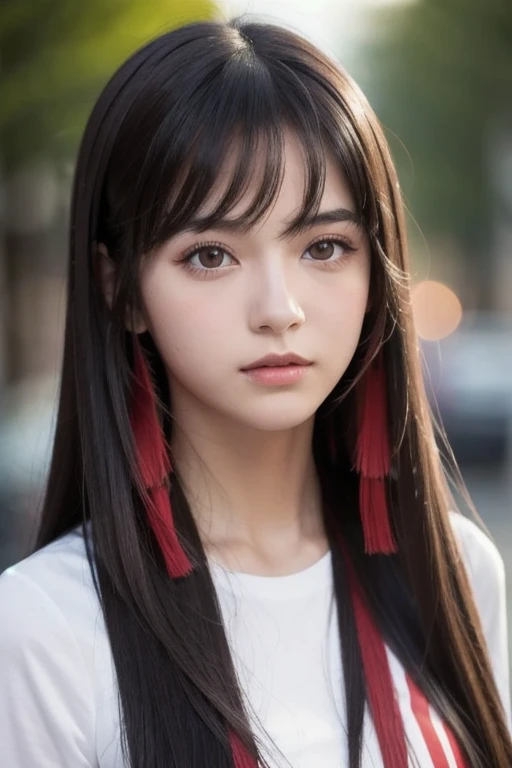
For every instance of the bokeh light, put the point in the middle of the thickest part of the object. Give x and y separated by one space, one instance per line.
437 310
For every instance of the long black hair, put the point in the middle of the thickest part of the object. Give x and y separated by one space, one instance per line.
147 163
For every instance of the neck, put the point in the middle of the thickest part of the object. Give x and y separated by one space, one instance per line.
251 490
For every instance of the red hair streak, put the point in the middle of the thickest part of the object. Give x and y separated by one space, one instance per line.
241 758
155 467
372 459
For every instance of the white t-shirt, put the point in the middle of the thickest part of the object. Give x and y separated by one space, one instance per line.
58 701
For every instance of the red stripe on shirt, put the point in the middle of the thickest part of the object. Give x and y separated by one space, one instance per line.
459 760
421 710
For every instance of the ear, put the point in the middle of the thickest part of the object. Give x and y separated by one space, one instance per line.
106 275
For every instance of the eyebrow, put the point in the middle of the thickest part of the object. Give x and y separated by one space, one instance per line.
335 216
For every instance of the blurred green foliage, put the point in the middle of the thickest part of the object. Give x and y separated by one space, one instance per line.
439 74
55 55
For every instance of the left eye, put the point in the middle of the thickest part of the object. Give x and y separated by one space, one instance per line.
325 249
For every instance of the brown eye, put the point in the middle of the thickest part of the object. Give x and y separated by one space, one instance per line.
210 256
330 250
206 258
322 250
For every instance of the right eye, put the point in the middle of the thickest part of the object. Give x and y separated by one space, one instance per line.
209 256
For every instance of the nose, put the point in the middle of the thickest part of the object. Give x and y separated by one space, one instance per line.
274 306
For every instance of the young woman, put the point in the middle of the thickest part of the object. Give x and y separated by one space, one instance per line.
248 553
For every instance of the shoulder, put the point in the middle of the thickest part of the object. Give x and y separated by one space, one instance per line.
481 556
486 572
47 642
49 606
57 574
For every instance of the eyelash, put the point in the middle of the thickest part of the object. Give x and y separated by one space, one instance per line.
206 271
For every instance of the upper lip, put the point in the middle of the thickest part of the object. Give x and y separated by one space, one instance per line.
275 360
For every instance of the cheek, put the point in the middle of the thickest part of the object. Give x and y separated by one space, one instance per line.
186 327
340 316
344 304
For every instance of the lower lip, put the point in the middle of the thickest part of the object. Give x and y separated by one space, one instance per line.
277 375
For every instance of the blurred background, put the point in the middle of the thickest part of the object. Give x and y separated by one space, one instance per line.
439 75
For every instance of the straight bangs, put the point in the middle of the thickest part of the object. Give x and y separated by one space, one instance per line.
237 153
198 151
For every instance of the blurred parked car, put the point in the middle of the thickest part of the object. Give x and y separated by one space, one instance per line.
469 376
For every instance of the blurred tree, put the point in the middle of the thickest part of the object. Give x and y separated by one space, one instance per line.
439 74
55 56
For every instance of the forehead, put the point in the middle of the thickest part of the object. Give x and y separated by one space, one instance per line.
293 185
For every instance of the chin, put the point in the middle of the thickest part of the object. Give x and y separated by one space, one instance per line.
281 417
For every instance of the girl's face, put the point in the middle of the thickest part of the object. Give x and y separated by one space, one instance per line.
217 302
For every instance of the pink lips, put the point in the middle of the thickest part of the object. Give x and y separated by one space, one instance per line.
277 370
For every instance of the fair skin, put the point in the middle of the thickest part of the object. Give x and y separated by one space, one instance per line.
242 449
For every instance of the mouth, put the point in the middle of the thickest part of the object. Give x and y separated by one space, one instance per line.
277 370
278 361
